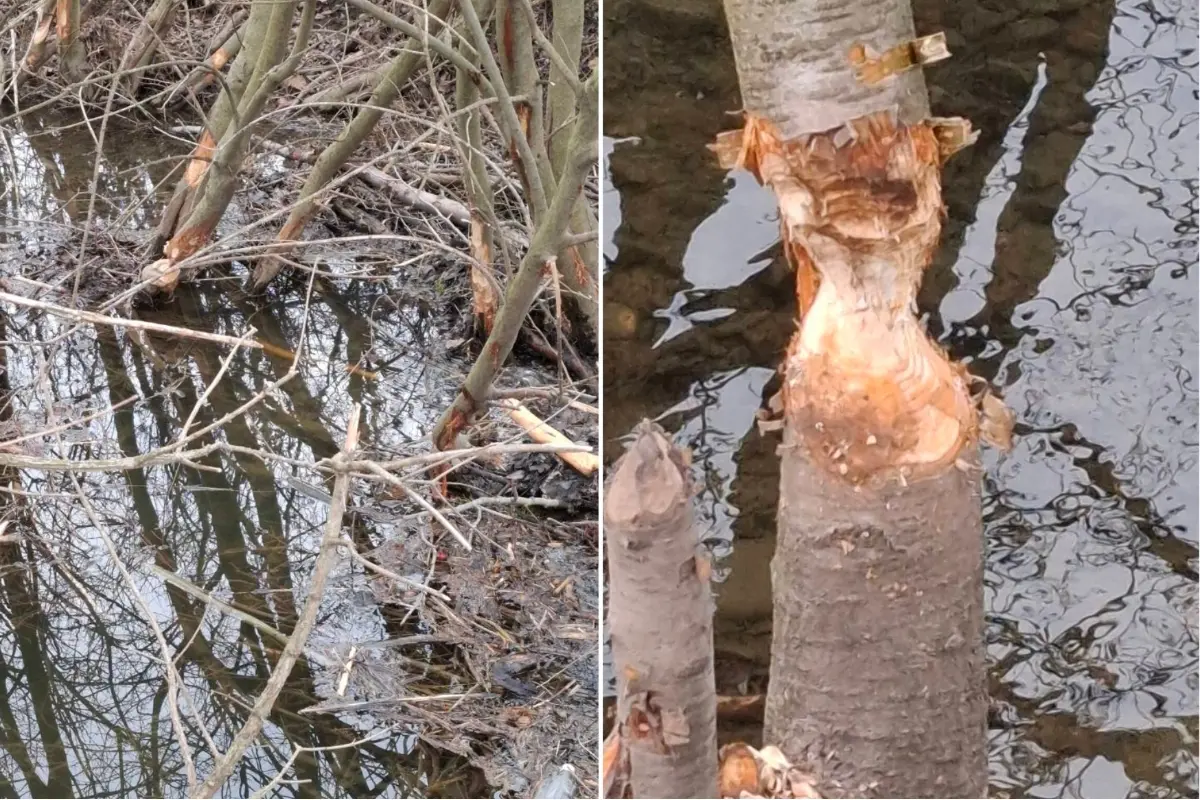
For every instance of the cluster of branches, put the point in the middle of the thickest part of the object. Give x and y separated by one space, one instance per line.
518 78
543 109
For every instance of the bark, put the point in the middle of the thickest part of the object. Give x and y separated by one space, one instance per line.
877 673
666 690
568 40
510 120
72 56
468 126
514 38
225 50
221 113
145 42
335 156
220 182
877 653
523 288
578 264
792 59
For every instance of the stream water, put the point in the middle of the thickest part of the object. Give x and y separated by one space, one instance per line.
1066 277
84 698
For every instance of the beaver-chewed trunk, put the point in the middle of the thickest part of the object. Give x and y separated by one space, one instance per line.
877 659
660 621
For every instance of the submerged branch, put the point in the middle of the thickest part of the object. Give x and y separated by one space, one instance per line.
304 625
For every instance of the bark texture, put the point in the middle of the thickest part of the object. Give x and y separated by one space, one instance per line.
792 59
334 157
526 283
660 619
877 654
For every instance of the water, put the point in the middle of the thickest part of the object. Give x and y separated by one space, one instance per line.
83 711
1066 277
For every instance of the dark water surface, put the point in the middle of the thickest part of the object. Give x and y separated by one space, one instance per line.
83 699
1067 277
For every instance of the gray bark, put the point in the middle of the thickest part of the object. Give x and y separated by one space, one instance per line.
877 673
877 656
794 67
660 619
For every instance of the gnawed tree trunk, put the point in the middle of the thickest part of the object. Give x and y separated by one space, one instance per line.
660 620
540 134
877 658
223 110
468 124
224 48
211 177
72 57
525 285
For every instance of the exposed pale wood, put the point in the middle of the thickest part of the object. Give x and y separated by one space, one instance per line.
542 432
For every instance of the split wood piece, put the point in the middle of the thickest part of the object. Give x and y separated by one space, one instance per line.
660 621
748 772
541 432
614 766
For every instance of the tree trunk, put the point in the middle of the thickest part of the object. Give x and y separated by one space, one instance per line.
220 178
877 672
468 126
525 285
335 156
72 57
660 619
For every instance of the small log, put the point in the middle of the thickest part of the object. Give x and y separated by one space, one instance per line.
541 432
451 209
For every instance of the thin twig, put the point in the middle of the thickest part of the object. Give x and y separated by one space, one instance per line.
416 498
92 318
308 617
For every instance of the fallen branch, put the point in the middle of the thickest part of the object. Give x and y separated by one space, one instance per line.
452 210
207 598
92 318
541 431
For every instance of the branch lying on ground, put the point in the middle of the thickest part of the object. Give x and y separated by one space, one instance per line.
452 210
541 431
